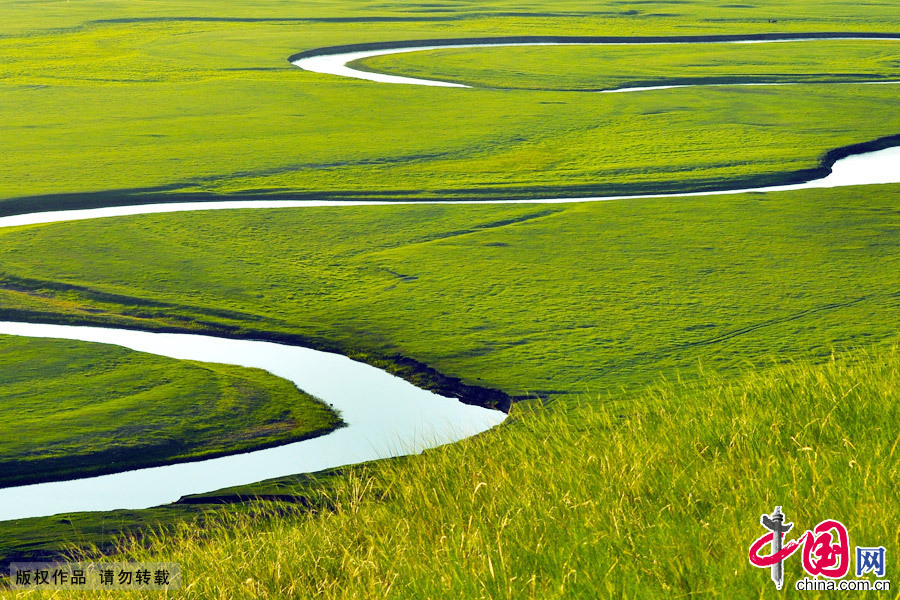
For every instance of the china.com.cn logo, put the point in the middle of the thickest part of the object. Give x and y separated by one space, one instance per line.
825 553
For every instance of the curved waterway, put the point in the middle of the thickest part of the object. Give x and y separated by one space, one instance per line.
335 62
386 416
867 168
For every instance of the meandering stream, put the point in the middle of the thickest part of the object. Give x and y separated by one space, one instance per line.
336 62
386 416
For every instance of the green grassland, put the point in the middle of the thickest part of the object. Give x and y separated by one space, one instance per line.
73 409
656 496
617 292
605 487
337 17
612 67
113 101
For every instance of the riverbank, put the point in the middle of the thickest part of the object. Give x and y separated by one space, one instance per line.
581 498
537 194
590 39
77 409
383 416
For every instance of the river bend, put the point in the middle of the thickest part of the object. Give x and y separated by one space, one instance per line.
386 416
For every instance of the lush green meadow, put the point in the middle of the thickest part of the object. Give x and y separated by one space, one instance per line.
655 496
73 409
198 98
619 293
616 292
679 353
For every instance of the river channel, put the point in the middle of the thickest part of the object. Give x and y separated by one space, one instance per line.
386 416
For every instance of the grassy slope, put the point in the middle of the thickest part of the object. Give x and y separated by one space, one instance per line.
617 292
73 409
656 497
612 67
115 96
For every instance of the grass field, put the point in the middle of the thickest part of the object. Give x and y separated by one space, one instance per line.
617 292
639 289
198 98
687 359
658 495
73 409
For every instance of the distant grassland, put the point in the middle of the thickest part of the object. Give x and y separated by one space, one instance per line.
337 17
657 495
621 66
556 300
74 409
199 98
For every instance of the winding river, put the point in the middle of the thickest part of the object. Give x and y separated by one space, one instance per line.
386 416
335 61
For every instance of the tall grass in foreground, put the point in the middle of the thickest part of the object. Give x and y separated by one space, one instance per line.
656 496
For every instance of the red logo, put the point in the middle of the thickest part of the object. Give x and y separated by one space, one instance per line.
826 549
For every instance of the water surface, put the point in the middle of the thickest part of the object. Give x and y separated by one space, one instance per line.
386 416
